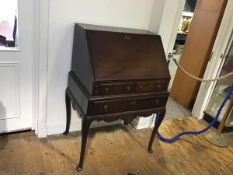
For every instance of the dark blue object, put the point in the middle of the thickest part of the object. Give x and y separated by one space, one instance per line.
175 138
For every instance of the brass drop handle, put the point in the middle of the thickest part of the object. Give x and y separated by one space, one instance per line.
105 107
133 103
128 88
127 37
157 101
106 89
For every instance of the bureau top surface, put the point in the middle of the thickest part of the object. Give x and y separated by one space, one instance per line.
113 29
123 54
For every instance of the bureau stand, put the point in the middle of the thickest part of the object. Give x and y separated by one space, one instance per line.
116 73
127 117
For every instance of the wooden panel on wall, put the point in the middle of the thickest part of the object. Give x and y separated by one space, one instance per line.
197 49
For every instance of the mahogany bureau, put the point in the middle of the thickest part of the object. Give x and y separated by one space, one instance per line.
116 73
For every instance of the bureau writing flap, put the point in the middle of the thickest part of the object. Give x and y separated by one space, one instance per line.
114 54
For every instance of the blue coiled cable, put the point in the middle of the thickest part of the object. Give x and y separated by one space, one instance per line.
175 138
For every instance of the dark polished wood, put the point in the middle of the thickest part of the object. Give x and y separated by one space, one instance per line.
116 73
68 112
158 121
85 128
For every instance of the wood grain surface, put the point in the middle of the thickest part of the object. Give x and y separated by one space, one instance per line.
116 150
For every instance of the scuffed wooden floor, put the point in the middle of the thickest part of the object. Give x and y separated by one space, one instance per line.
117 150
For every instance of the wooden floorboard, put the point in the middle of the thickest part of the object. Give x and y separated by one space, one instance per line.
116 150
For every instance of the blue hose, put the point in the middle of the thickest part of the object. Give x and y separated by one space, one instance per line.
175 138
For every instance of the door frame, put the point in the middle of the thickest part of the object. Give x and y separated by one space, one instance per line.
168 32
215 63
41 55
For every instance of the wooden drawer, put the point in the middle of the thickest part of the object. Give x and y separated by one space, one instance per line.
151 86
114 88
126 104
130 87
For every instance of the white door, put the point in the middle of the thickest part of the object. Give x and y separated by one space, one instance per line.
17 74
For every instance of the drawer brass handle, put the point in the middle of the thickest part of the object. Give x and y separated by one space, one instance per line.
106 89
133 103
159 86
127 37
157 101
128 88
105 107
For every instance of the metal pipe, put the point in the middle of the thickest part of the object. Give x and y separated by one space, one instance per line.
225 117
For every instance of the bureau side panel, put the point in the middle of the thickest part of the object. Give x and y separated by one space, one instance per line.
78 94
81 63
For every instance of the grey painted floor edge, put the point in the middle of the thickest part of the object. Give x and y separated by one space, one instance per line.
175 110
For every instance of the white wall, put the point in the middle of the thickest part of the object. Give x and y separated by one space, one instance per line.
156 15
143 14
169 23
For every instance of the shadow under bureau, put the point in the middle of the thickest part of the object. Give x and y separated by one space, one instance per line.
116 73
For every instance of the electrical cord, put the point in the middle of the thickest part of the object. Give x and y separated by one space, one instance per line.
176 137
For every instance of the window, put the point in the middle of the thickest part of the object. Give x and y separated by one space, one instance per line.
8 22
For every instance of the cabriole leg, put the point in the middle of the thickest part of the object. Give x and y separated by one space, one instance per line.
68 112
85 129
158 121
